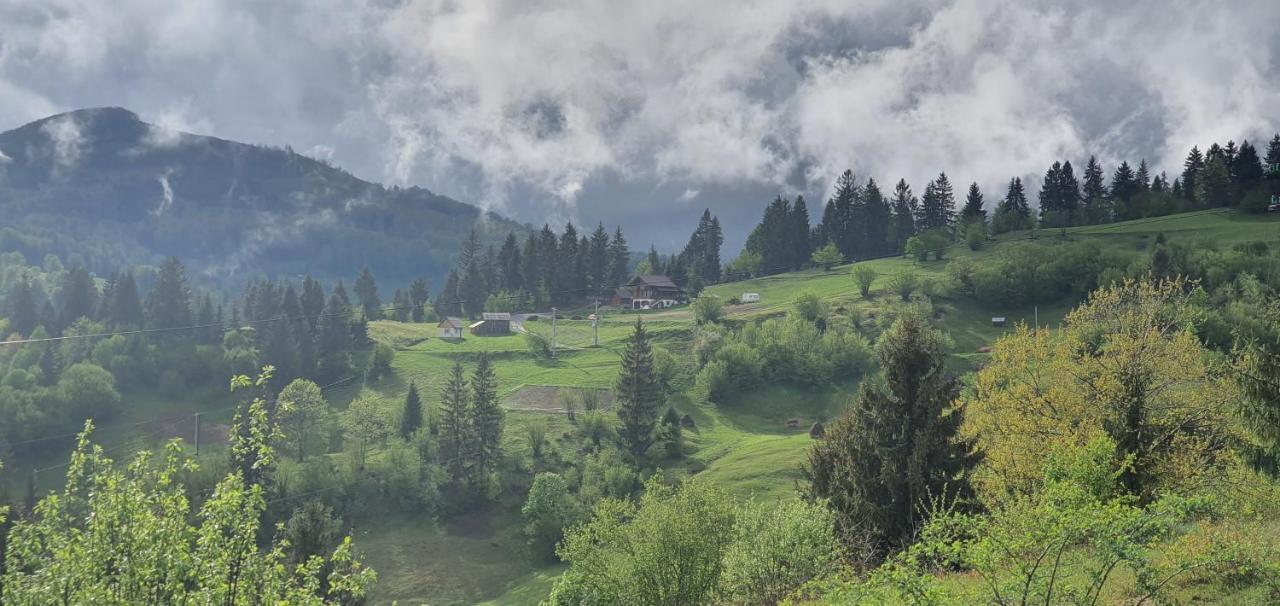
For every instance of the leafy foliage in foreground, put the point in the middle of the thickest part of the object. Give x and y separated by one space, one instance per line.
131 536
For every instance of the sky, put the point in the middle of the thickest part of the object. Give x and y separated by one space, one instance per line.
645 113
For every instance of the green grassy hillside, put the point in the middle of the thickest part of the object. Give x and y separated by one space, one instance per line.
747 446
752 445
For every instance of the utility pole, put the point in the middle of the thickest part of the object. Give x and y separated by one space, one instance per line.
1037 318
595 326
553 332
197 436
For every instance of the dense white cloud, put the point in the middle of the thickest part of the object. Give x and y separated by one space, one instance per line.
535 107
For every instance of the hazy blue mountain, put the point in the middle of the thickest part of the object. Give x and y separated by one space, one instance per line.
103 188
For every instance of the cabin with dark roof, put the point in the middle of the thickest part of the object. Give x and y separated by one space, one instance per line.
649 292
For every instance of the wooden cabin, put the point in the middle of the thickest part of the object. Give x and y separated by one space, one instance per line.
492 324
450 328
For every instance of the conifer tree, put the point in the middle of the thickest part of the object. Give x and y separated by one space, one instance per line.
1248 170
801 248
419 294
1143 177
1124 185
838 217
401 306
366 288
334 339
638 393
771 238
882 463
448 301
312 301
509 265
455 427
20 306
1069 188
598 262
1213 183
1095 190
877 221
973 211
471 289
79 296
169 302
568 283
619 260
1190 171
208 332
411 418
937 206
904 214
484 417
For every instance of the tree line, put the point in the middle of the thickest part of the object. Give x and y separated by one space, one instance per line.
860 222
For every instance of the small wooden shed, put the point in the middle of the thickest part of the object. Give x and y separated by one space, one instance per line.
492 324
450 328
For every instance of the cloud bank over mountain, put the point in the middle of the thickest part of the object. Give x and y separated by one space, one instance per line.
609 110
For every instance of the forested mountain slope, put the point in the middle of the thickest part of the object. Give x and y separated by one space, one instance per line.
103 188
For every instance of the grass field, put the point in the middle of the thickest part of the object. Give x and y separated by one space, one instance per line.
746 445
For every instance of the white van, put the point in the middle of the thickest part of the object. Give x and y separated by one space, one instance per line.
750 297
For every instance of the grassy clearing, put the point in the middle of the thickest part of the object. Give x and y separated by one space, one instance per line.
745 445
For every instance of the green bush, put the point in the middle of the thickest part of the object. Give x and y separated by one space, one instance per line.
777 549
864 275
707 309
547 511
975 235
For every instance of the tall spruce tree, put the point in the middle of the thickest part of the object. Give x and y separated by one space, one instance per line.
1248 170
455 427
771 238
1095 190
1213 183
1142 178
449 300
509 268
334 342
882 463
366 288
638 393
312 300
838 217
126 304
1190 172
877 221
619 260
169 302
904 214
1124 185
471 288
801 248
1271 167
1069 188
20 306
973 211
598 262
937 206
411 417
79 296
484 417
419 294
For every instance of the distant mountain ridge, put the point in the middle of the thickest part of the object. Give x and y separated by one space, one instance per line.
102 188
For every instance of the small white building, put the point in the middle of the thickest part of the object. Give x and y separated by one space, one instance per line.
450 328
750 297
